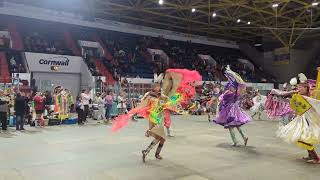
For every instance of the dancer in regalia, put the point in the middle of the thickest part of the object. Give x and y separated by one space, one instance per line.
277 105
230 115
304 129
258 107
177 88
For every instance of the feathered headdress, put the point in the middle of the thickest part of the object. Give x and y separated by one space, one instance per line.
158 78
234 79
293 81
285 85
302 78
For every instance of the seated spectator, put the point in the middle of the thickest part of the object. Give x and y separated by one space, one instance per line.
13 64
21 68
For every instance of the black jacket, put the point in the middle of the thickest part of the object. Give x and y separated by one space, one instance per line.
20 105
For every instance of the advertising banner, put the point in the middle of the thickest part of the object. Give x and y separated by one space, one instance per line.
38 62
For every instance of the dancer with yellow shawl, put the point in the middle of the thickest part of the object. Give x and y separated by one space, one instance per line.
304 129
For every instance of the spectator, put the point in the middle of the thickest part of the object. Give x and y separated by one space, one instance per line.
121 103
108 105
20 68
13 64
79 109
39 106
99 100
85 101
4 108
20 109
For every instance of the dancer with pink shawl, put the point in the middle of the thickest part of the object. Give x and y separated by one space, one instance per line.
177 88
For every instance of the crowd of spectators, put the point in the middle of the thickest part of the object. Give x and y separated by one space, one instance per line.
15 62
131 57
4 42
35 42
89 56
185 55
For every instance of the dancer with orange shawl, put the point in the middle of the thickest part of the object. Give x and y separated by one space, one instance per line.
177 87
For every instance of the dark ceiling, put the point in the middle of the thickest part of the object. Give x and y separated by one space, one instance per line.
287 23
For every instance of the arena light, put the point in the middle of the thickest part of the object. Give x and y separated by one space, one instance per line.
315 4
248 22
193 10
239 20
257 44
214 14
160 2
275 5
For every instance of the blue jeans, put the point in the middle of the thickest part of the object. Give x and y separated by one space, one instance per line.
19 122
108 111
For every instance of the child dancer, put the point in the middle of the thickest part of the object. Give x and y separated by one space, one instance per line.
258 102
230 114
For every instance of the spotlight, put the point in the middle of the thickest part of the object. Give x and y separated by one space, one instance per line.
193 10
239 20
315 4
275 5
160 2
214 14
248 22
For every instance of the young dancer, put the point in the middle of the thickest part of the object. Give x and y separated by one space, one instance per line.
230 114
176 88
304 129
258 107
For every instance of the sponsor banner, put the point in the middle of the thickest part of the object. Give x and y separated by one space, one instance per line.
38 62
281 56
90 44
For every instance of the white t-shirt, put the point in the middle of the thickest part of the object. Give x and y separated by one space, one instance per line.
85 98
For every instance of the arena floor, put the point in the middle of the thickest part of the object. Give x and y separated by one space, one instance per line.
199 151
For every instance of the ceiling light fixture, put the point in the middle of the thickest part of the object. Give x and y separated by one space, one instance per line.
315 4
214 14
275 5
239 20
193 10
248 22
160 2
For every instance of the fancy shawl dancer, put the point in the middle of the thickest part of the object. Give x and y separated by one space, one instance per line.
177 88
230 115
277 105
304 129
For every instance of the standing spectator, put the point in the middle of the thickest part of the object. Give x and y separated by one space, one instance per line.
85 101
20 109
121 103
39 106
4 108
20 68
79 109
13 64
100 101
108 105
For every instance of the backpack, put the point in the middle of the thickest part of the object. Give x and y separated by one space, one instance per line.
109 99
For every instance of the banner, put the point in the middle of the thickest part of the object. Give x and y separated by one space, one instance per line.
91 44
38 62
281 56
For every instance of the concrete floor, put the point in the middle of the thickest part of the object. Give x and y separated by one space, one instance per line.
199 151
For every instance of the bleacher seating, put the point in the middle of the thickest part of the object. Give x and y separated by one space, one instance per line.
125 55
